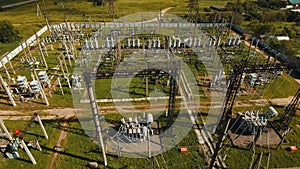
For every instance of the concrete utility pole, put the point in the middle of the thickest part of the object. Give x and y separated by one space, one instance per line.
5 69
5 130
11 66
95 111
4 84
38 10
28 152
67 50
59 83
42 126
147 86
41 88
41 51
61 66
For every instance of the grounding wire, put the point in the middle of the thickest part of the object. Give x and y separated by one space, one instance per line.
269 152
164 160
261 149
253 155
252 95
264 92
235 139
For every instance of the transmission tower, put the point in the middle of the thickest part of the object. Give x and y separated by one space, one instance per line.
111 9
235 11
283 124
233 87
173 91
232 90
193 10
174 67
290 111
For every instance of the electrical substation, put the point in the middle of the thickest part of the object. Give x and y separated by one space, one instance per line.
141 83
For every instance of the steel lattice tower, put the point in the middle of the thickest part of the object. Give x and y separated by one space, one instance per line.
111 8
193 10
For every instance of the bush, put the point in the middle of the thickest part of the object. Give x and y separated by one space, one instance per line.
8 33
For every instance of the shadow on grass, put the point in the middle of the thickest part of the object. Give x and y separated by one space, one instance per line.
57 124
24 160
66 153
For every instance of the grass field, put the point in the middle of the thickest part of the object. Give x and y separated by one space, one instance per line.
282 158
6 2
281 87
80 150
42 158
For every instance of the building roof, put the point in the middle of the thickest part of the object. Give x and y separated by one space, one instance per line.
294 2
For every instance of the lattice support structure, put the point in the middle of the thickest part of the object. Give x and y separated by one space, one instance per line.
174 83
111 8
290 111
193 10
282 126
232 90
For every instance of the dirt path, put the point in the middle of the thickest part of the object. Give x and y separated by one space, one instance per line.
67 113
46 114
58 147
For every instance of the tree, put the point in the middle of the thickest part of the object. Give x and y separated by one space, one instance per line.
8 33
229 6
281 16
260 29
238 19
290 32
263 3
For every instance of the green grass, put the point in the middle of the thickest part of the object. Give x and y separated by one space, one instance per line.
43 157
6 2
26 22
279 159
137 87
281 87
80 150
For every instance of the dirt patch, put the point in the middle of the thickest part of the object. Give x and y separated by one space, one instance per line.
58 147
268 136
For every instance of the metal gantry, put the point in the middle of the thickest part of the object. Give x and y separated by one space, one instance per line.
232 90
174 85
233 87
282 125
111 9
193 10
